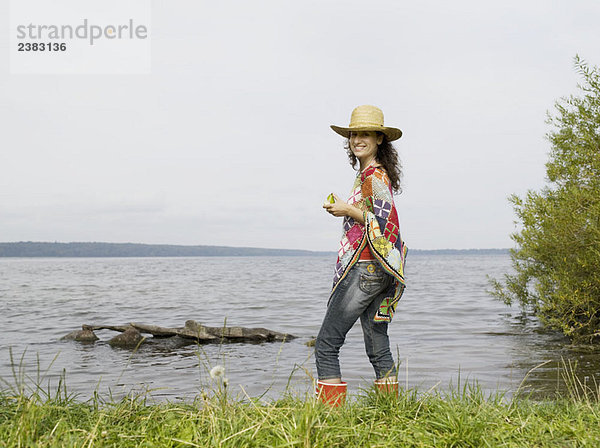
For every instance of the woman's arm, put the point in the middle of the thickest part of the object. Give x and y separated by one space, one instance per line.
341 208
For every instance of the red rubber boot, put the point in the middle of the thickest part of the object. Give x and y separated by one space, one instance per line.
331 394
387 387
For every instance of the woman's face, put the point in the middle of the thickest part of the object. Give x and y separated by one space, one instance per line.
364 144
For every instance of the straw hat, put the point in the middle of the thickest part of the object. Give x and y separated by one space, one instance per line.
368 118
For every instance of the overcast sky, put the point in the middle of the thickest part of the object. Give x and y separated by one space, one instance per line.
227 141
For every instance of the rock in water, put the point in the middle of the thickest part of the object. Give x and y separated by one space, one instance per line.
131 334
195 330
85 335
130 338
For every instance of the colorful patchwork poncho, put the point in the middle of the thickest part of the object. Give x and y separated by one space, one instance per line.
372 193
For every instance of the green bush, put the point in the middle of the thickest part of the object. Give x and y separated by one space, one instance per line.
557 255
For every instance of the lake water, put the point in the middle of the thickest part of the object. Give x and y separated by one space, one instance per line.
446 327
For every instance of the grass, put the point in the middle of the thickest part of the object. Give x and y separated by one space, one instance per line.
31 416
461 418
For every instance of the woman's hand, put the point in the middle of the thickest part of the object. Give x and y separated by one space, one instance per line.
340 208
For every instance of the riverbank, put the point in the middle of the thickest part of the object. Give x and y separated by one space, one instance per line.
457 419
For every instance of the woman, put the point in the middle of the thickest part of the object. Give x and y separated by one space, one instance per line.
369 274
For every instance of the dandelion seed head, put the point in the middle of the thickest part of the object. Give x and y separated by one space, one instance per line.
217 371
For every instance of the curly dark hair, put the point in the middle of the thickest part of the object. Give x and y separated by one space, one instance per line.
387 156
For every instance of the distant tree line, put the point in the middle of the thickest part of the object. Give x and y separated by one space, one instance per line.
41 249
458 252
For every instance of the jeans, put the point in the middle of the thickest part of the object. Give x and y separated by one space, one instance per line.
357 296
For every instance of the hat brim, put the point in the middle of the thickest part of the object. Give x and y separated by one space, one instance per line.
391 133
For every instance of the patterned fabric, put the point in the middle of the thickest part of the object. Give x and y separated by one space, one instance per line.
372 193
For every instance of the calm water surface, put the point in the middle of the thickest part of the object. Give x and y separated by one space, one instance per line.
447 327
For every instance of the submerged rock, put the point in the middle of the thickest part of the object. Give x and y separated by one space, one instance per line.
131 334
130 338
85 335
